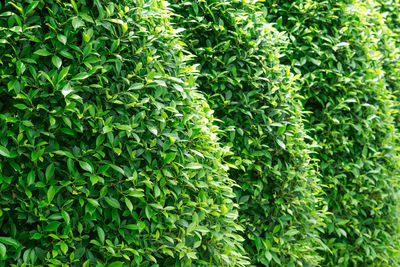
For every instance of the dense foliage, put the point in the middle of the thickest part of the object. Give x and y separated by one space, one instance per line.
256 99
108 153
199 133
336 49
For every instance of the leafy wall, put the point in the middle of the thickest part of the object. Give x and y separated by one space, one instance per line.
199 133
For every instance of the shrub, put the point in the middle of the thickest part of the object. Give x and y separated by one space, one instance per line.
256 99
335 49
108 154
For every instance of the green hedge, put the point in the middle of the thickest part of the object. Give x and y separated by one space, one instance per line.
199 133
108 154
257 100
336 50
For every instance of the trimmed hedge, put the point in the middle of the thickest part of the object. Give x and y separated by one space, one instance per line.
336 50
199 133
108 154
256 99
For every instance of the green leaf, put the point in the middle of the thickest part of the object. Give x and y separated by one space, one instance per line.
20 106
10 241
279 22
94 202
36 236
66 216
99 140
130 226
4 152
7 14
194 166
20 68
153 130
31 177
62 38
42 52
136 86
56 61
63 74
50 171
135 193
281 130
51 192
31 7
27 123
67 90
129 204
268 255
52 227
3 251
112 202
276 259
169 157
81 76
315 61
64 247
117 168
66 54
342 44
101 234
17 7
77 23
124 26
281 144
86 166
292 232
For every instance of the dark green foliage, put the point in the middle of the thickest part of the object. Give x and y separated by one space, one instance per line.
108 155
336 49
256 98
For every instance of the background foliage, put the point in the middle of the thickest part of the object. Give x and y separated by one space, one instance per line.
336 48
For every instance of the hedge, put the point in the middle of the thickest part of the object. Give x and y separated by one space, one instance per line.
336 51
108 154
257 100
199 133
